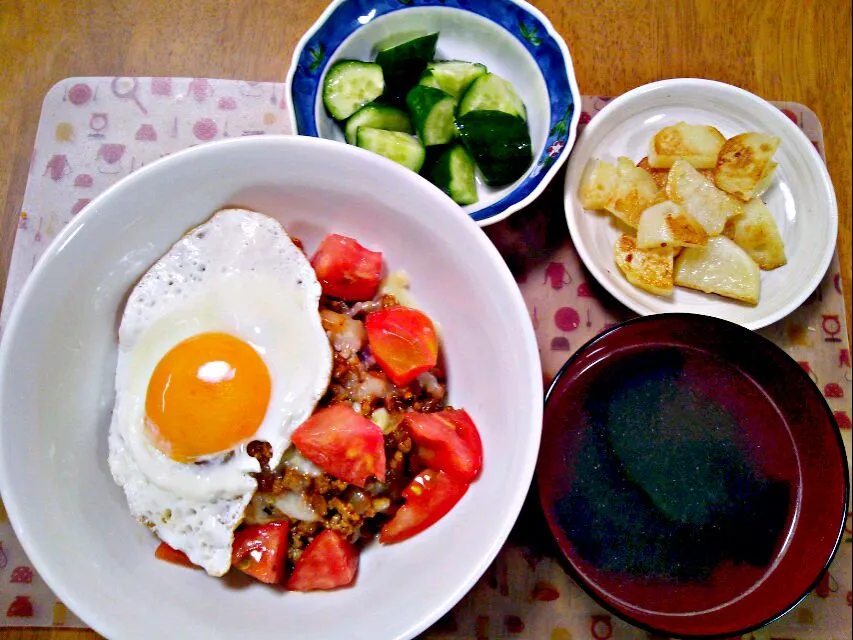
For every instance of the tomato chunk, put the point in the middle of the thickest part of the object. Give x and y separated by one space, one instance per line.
328 562
403 341
260 551
170 554
343 443
346 269
428 498
448 441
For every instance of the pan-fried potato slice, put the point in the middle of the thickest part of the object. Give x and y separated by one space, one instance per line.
700 198
698 144
720 267
756 232
745 164
635 190
649 269
658 175
668 225
598 182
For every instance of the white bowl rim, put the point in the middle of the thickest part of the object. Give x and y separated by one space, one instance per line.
702 84
17 512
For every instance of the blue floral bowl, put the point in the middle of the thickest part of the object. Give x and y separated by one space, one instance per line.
512 38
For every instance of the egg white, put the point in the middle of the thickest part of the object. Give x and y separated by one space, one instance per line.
238 273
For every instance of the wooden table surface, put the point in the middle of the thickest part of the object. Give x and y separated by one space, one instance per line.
798 50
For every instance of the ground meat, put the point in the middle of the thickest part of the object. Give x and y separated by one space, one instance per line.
318 503
324 484
350 384
401 465
333 304
294 481
355 513
345 520
412 397
262 452
357 380
351 381
301 533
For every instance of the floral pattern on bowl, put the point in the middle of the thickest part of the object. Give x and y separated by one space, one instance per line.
523 42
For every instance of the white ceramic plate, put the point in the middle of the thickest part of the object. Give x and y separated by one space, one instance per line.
801 196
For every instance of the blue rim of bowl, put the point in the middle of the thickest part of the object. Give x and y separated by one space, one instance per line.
579 579
524 22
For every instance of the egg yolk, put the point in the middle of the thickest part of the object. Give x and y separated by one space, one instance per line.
207 395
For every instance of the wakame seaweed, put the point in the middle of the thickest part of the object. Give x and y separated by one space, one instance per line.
663 489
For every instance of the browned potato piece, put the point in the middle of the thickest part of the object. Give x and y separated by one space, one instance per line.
658 175
667 224
756 232
719 267
698 144
745 165
701 199
598 183
693 210
649 269
635 190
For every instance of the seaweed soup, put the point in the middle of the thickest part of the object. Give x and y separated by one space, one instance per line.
684 479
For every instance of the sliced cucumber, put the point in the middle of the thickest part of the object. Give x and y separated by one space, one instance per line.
453 173
377 116
351 84
400 147
432 111
403 58
452 76
433 153
498 142
492 93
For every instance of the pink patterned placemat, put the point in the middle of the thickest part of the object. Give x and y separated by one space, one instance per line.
94 131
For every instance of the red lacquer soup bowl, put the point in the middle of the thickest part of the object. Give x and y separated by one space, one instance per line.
692 474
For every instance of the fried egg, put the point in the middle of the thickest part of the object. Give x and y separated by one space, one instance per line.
220 344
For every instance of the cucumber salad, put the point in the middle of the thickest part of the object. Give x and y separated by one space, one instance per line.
445 119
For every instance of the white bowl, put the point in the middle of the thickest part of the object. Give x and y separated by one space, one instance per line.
801 196
511 37
57 367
